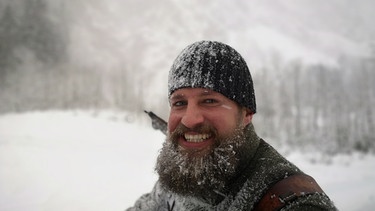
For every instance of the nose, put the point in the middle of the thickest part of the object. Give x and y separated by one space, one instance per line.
192 117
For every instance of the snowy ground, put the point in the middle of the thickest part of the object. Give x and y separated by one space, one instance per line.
99 161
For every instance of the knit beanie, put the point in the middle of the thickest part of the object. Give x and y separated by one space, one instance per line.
216 66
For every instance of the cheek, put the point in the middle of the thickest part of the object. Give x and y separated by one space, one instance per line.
220 123
225 123
173 121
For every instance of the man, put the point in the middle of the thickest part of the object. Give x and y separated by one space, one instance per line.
212 158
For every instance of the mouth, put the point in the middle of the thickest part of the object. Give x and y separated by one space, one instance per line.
196 138
196 141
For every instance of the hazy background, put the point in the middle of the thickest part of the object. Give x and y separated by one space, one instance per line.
312 61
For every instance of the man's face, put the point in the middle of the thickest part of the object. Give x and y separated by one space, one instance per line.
205 144
198 116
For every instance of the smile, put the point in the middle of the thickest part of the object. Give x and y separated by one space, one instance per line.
196 138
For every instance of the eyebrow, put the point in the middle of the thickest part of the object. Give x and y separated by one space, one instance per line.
177 97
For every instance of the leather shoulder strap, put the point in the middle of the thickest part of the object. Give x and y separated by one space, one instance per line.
286 190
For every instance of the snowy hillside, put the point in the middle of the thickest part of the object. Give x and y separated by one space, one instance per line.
144 38
312 31
85 160
116 54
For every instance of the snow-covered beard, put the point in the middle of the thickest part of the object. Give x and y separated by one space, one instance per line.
204 176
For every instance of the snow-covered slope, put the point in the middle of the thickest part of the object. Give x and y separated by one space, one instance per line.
312 31
86 160
143 37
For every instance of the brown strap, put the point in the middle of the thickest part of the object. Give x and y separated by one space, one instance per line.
286 190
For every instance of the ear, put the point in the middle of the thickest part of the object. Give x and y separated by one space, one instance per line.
248 116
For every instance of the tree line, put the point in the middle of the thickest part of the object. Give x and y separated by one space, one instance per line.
304 105
316 105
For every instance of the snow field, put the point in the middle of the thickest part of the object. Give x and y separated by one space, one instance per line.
85 160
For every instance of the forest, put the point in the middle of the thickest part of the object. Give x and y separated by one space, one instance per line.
326 107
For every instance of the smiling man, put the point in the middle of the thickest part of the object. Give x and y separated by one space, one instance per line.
212 158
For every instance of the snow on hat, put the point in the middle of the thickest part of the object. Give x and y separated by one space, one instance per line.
216 66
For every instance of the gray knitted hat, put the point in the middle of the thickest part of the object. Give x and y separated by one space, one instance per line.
216 66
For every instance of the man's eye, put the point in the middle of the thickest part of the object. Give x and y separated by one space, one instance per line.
179 103
210 101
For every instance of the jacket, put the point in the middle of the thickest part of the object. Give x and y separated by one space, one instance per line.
263 168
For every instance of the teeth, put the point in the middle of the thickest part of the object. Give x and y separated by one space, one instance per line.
196 138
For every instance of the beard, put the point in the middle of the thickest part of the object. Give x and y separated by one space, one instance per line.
204 175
